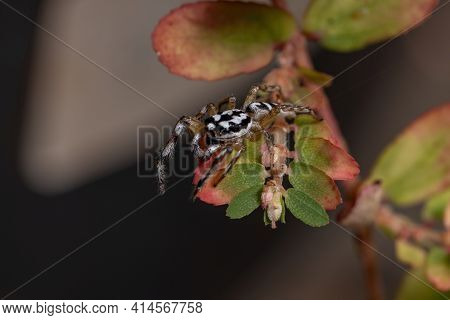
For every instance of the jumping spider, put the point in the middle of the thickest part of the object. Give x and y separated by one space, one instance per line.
218 133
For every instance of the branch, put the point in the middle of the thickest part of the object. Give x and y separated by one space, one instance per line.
369 264
293 56
288 76
402 227
363 201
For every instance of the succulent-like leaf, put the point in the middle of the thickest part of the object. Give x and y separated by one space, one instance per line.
353 24
211 40
241 177
316 184
305 208
324 155
438 268
252 151
320 78
435 206
417 164
245 203
410 254
311 127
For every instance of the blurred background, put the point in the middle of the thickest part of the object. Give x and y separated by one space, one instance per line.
69 113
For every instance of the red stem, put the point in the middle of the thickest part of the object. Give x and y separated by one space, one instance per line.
369 263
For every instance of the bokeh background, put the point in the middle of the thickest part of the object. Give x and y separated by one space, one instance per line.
68 161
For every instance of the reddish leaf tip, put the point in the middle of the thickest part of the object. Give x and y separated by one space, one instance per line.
211 40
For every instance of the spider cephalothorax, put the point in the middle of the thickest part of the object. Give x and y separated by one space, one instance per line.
216 133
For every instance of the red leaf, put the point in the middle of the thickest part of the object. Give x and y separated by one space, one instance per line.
211 40
324 155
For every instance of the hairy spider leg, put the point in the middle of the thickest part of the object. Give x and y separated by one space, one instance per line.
190 124
214 166
210 109
186 123
229 165
196 149
273 89
251 96
229 102
210 151
253 93
287 107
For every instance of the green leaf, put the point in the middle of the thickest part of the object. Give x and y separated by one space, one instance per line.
412 288
438 268
210 40
305 208
435 206
320 78
241 177
324 155
252 151
410 254
417 163
311 127
353 24
245 203
316 184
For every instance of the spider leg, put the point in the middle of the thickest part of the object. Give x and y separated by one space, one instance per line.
210 151
214 166
195 147
268 89
251 96
202 154
230 103
184 124
229 165
209 109
297 109
275 90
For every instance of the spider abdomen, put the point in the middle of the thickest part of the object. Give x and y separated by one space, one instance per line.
228 124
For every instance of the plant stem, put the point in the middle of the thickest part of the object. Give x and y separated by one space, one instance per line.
399 226
298 89
289 78
368 261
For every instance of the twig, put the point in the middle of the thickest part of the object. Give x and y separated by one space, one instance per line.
362 203
400 226
369 264
293 56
